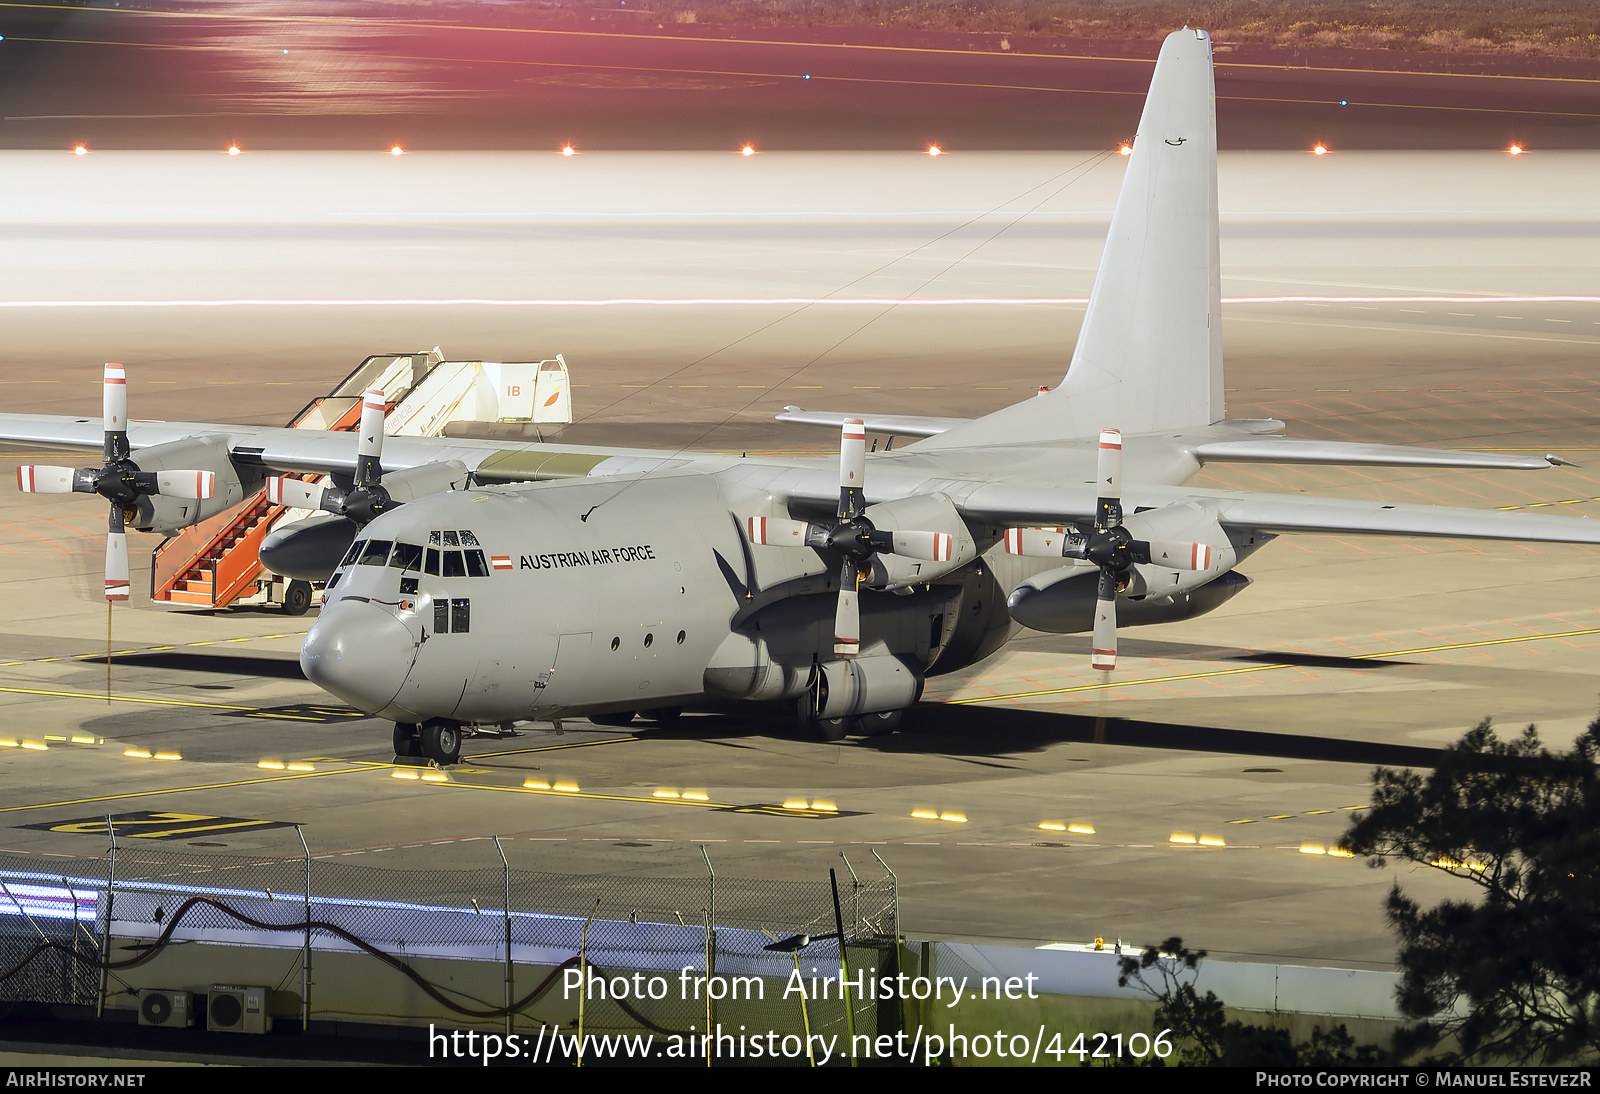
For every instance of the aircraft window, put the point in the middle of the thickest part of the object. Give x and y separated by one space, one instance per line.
441 617
460 616
476 566
469 540
681 636
648 640
452 564
408 585
432 565
615 642
433 539
407 556
354 553
451 540
377 552
334 580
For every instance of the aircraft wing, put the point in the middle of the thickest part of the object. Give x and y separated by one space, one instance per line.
903 425
1295 450
1013 504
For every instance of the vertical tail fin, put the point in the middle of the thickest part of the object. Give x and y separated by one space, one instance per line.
1149 356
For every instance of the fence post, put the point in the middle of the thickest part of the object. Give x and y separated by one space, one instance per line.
505 874
894 897
711 945
105 934
305 958
844 969
855 896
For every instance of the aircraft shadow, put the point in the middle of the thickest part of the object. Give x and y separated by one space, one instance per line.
233 665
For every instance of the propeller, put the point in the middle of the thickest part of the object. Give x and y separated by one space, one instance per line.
1110 546
366 498
853 536
119 480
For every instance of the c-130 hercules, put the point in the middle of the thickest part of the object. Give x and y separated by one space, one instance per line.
474 584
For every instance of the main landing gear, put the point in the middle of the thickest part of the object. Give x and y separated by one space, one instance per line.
437 739
837 729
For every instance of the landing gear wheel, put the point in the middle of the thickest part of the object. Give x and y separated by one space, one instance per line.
441 741
663 717
829 729
407 742
880 724
297 598
617 718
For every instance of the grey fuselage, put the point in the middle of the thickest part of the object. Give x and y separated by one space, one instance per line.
632 592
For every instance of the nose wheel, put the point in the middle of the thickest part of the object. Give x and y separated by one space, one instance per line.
441 741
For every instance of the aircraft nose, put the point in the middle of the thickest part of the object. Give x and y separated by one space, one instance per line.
358 652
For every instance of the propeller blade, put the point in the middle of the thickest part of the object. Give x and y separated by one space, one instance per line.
1036 542
852 469
847 620
186 484
1180 556
116 557
1108 513
931 546
38 479
114 405
369 449
776 531
1103 646
297 493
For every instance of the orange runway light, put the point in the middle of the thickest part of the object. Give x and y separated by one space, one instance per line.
233 149
1320 150
1125 150
80 150
747 150
1515 150
935 150
568 150
397 151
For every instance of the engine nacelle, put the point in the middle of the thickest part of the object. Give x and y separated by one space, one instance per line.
309 550
928 513
1066 604
424 479
166 515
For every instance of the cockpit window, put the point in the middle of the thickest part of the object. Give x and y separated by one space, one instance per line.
376 552
469 540
407 556
452 564
354 553
433 539
451 540
476 565
432 565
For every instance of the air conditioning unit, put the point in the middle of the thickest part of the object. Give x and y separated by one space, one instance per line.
162 1007
235 1009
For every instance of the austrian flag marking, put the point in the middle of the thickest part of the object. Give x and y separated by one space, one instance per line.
501 562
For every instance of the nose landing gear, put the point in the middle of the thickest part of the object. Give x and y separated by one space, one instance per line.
437 739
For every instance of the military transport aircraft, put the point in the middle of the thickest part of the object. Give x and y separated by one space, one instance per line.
473 583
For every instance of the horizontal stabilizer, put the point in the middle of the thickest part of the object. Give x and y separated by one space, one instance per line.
1294 450
896 425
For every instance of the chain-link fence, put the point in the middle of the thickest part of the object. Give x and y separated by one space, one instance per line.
683 956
